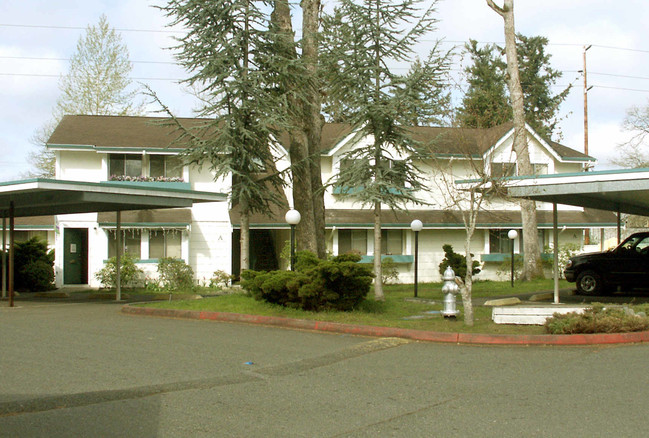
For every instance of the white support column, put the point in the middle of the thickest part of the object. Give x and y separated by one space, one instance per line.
555 261
118 255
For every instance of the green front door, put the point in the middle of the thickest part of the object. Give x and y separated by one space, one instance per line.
75 256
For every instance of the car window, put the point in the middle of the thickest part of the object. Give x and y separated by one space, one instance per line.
643 245
630 243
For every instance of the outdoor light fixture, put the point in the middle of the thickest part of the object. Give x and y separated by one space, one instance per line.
512 234
416 226
293 218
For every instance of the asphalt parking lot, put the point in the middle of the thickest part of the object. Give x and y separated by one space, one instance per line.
86 369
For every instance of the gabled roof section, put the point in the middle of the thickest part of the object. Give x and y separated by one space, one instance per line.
152 133
118 131
456 142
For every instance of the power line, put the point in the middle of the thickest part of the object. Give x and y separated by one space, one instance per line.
37 26
40 75
36 58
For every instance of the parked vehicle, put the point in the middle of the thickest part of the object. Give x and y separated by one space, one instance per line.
627 265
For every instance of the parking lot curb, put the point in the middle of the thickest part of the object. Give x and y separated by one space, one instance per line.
375 331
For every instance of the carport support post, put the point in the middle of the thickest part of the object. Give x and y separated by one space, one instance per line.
619 226
118 256
11 253
555 258
4 254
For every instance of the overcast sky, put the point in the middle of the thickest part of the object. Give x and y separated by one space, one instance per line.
37 37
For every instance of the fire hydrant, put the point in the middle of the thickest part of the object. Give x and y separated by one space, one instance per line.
450 289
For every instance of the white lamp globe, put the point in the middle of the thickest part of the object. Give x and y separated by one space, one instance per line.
293 217
416 225
512 234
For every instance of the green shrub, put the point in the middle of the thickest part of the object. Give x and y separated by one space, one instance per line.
175 274
33 266
340 283
37 275
457 262
275 287
336 285
130 274
597 320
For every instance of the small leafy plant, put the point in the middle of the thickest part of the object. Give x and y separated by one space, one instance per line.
220 280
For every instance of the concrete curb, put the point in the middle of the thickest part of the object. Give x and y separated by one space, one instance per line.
392 332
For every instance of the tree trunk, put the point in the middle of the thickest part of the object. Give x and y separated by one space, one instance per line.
532 254
378 271
467 288
244 236
308 198
313 118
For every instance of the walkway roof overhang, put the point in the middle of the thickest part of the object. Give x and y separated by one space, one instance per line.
38 197
624 191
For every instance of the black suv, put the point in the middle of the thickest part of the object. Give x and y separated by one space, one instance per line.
601 272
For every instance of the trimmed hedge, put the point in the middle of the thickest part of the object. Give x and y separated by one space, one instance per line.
340 283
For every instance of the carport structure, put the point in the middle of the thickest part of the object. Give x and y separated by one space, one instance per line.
621 191
38 197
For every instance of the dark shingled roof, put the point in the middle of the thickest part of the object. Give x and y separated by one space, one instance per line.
435 218
155 132
153 217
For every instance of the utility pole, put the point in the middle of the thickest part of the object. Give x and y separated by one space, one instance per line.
586 101
587 230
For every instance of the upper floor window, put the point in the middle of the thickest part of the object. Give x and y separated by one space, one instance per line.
540 169
155 167
168 166
503 170
125 165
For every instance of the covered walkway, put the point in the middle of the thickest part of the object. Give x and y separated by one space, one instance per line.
621 191
38 197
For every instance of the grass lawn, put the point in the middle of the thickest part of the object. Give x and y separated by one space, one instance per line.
390 313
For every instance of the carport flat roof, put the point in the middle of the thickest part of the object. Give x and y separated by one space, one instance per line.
625 191
40 196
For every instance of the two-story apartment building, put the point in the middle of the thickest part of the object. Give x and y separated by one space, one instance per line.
141 150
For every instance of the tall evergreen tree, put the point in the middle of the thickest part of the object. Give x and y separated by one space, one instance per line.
227 51
537 80
365 40
97 83
486 102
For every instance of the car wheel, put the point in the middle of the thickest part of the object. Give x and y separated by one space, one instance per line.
589 283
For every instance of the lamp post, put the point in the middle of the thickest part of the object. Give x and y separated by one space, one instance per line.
293 218
512 234
416 226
